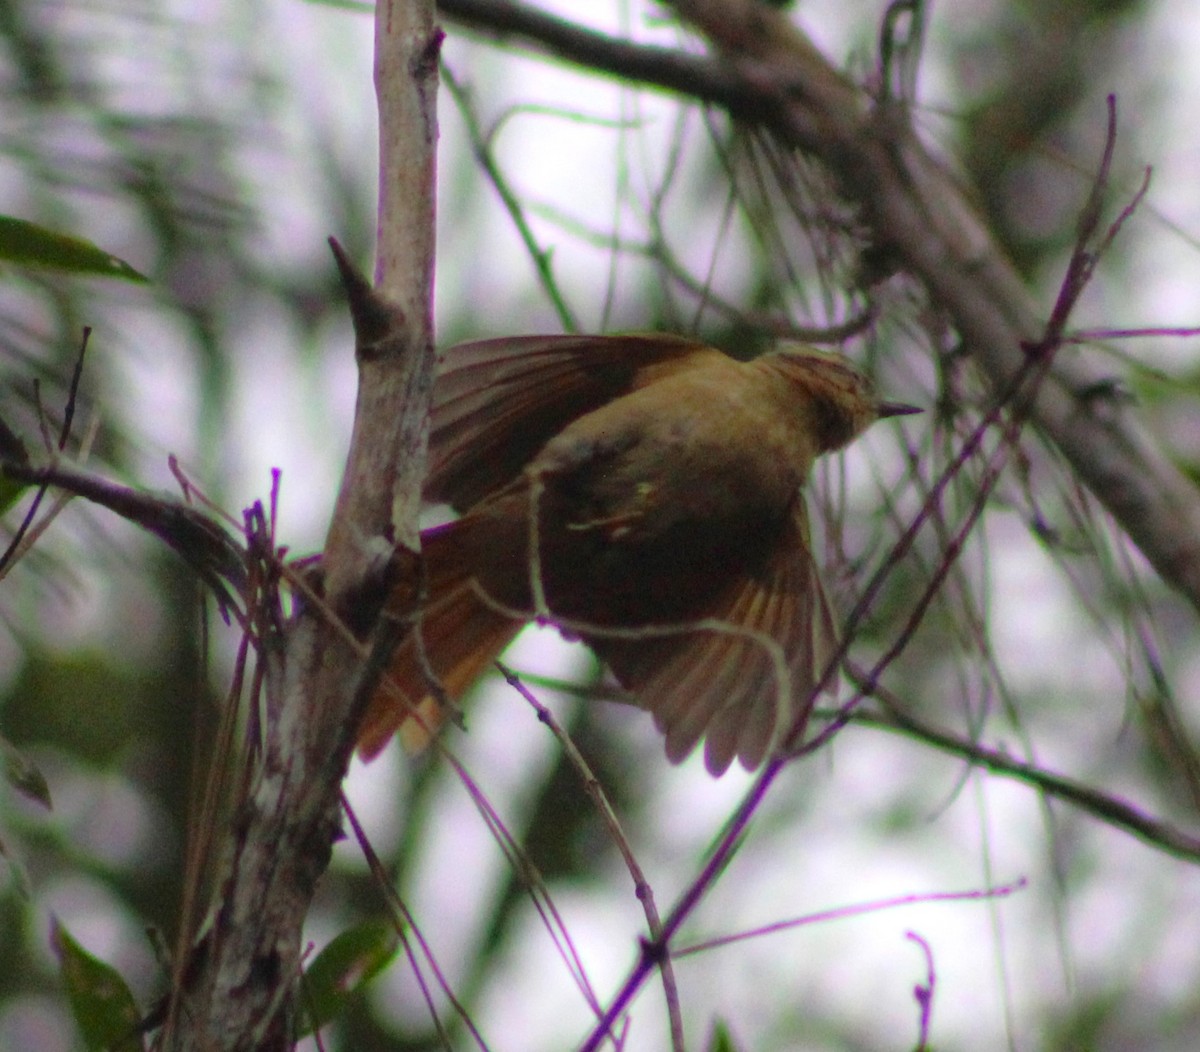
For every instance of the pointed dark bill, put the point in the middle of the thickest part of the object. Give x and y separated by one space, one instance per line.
887 409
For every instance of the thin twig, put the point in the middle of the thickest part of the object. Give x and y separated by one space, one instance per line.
409 923
858 909
481 145
642 889
529 876
1109 809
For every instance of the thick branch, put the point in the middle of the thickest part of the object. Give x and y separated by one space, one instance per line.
240 978
917 216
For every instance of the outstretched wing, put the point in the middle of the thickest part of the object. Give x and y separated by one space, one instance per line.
497 402
721 682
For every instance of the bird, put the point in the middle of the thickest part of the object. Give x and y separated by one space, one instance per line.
644 493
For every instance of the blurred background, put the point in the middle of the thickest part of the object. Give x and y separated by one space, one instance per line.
215 146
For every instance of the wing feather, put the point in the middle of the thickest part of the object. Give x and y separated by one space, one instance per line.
497 402
722 686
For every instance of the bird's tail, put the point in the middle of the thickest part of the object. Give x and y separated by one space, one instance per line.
460 635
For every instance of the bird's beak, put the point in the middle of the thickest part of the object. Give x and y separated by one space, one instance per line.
897 409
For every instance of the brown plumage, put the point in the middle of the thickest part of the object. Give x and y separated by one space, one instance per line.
671 529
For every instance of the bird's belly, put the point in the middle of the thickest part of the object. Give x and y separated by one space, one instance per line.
637 528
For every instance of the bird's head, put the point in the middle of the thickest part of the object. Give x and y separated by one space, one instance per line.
844 402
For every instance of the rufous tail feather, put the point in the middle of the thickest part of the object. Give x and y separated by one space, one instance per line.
461 636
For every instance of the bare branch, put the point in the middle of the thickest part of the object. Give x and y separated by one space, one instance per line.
1108 808
239 979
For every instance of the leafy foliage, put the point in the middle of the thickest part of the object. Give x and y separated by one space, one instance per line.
101 1002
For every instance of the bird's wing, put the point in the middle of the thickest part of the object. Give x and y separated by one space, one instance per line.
723 682
497 402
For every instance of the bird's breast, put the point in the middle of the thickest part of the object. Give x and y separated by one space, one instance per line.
649 508
712 450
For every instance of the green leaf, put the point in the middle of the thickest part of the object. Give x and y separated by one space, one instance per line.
350 960
721 1038
104 1009
12 450
19 874
28 244
22 775
11 447
10 493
